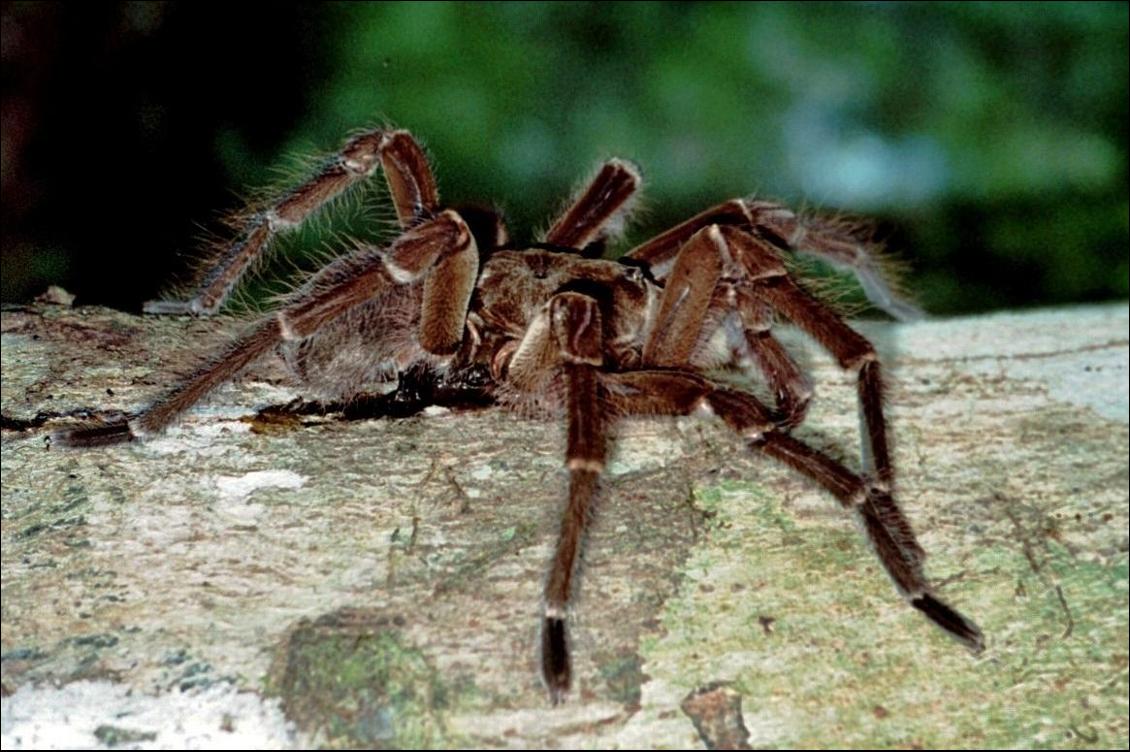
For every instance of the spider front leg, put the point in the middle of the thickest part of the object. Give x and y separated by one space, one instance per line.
727 266
410 182
566 339
441 251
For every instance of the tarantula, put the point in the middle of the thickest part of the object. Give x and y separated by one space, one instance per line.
452 306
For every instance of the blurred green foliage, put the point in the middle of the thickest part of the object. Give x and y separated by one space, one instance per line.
989 139
993 128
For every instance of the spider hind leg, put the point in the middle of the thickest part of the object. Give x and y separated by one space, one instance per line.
411 187
439 254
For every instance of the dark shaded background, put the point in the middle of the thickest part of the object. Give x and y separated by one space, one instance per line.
988 139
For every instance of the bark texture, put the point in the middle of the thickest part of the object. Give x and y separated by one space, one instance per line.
382 578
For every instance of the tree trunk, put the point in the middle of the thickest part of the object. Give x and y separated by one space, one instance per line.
382 578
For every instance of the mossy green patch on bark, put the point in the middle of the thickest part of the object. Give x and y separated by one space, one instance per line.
796 613
352 679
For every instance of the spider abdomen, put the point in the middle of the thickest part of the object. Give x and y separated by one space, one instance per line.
361 350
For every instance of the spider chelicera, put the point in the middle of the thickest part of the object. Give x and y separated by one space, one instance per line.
459 312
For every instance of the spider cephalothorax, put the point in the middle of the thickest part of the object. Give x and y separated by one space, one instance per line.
457 312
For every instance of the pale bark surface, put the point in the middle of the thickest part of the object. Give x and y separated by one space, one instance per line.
384 577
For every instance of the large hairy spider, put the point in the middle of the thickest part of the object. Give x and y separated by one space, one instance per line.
453 307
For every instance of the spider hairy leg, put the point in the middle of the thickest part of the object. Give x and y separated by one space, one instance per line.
442 248
704 277
409 177
889 533
791 387
662 392
411 186
426 250
723 265
596 211
843 244
685 301
231 361
673 393
835 241
854 353
768 280
659 253
575 327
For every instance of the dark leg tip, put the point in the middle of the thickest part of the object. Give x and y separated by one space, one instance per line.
956 625
96 435
555 664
